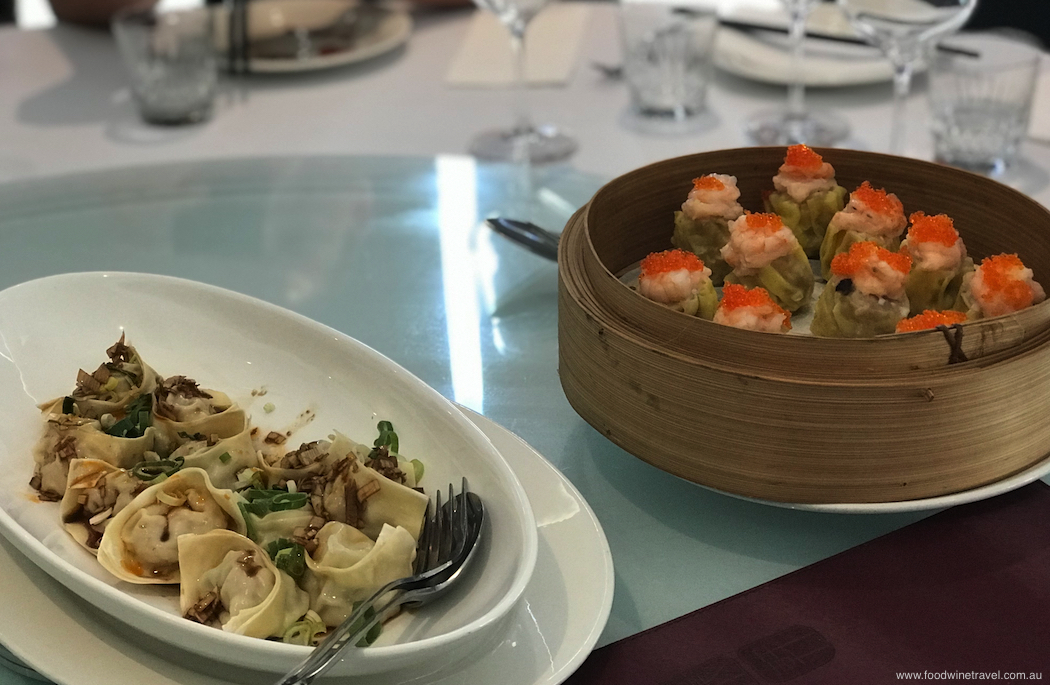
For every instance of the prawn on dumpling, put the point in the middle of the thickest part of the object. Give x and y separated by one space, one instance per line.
939 263
1002 284
872 215
751 310
866 295
765 253
702 225
679 280
806 196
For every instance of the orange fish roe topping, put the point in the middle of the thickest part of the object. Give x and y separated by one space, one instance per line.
878 200
1000 276
847 264
708 182
802 157
930 319
735 296
932 229
764 223
670 260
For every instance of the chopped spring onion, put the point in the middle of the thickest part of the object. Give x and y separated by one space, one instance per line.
268 407
387 437
303 631
288 556
137 418
374 632
155 471
225 457
262 502
417 469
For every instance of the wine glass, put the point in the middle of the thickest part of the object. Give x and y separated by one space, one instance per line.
795 124
903 29
523 142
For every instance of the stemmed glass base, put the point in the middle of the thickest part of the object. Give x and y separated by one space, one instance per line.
782 127
538 145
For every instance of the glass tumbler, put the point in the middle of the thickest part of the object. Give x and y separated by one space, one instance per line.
980 106
171 62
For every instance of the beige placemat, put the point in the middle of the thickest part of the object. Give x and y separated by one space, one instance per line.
551 44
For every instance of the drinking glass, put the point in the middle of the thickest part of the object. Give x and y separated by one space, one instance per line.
795 124
523 141
903 30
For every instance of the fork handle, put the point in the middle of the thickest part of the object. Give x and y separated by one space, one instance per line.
324 655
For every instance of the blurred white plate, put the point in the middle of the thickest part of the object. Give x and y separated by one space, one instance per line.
548 634
765 56
52 326
377 30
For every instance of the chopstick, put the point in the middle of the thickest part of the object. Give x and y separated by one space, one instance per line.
746 26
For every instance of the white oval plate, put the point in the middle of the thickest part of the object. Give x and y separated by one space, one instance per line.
548 635
51 327
271 18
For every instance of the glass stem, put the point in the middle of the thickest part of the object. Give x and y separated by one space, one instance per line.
902 72
796 105
519 82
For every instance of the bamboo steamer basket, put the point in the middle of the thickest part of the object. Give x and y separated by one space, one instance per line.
802 419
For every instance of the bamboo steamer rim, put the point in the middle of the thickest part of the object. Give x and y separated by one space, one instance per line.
889 356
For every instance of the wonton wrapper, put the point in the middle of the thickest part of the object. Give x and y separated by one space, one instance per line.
262 604
140 543
223 475
348 567
393 503
229 420
106 487
67 437
280 524
93 405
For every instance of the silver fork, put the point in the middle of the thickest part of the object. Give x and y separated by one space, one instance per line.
446 544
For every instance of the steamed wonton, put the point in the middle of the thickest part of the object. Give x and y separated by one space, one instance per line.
230 582
139 544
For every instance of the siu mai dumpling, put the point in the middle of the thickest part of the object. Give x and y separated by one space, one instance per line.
866 295
1000 285
806 197
702 225
871 215
938 263
764 253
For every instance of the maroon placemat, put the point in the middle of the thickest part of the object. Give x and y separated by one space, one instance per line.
961 595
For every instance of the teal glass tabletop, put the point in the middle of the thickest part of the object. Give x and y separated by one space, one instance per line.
394 252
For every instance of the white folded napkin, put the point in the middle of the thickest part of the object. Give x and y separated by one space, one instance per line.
1039 124
551 42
